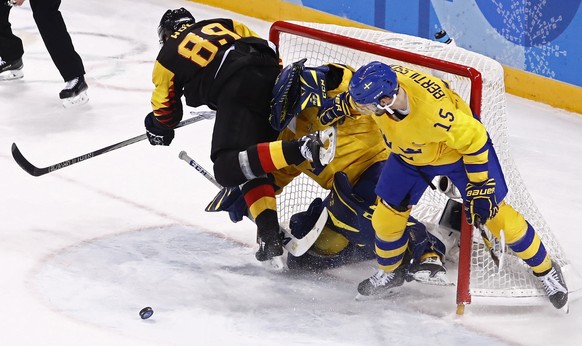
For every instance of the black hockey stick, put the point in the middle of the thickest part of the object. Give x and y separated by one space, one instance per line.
295 246
487 241
36 171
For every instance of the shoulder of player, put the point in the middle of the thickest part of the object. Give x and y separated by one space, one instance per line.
227 23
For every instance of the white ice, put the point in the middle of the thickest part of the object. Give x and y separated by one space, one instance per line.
84 248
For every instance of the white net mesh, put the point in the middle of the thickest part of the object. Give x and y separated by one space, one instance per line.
515 280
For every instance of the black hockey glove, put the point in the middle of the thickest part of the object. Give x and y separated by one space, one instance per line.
481 204
156 134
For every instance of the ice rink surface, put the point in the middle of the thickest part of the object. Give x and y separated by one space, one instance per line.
83 249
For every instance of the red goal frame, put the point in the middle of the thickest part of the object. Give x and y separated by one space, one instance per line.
281 27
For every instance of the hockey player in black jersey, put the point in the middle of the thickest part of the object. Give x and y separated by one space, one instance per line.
224 65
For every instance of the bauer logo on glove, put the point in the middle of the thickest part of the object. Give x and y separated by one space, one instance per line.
481 204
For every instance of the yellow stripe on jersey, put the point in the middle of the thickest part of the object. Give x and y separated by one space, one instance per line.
163 80
476 167
276 151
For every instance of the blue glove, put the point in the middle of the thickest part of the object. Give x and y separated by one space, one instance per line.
335 109
302 222
297 87
156 134
229 199
481 204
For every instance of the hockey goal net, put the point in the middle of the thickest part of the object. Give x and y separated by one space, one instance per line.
480 81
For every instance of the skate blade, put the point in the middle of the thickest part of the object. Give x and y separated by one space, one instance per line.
565 308
78 100
440 279
275 264
387 294
11 75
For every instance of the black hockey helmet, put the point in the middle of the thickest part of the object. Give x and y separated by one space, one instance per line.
172 20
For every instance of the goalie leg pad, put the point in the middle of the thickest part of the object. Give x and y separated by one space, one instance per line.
351 216
314 261
421 240
425 256
350 212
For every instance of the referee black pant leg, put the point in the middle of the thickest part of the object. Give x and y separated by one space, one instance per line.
10 45
56 38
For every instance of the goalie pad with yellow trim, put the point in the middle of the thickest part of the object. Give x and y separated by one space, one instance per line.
350 216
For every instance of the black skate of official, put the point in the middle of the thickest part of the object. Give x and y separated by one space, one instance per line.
75 92
10 70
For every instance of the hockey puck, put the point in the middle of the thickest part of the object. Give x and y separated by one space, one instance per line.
146 313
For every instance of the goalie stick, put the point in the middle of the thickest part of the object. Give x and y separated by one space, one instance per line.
295 246
36 171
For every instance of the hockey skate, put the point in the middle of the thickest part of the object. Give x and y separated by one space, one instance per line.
75 92
313 146
429 270
555 287
270 251
381 284
10 70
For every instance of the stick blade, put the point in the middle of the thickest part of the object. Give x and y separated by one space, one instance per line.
24 163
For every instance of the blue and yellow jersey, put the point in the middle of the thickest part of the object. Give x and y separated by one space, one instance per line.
439 129
359 144
187 65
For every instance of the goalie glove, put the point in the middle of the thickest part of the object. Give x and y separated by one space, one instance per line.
481 204
335 109
297 87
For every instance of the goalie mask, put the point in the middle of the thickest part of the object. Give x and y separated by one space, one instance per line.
372 82
297 87
171 21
